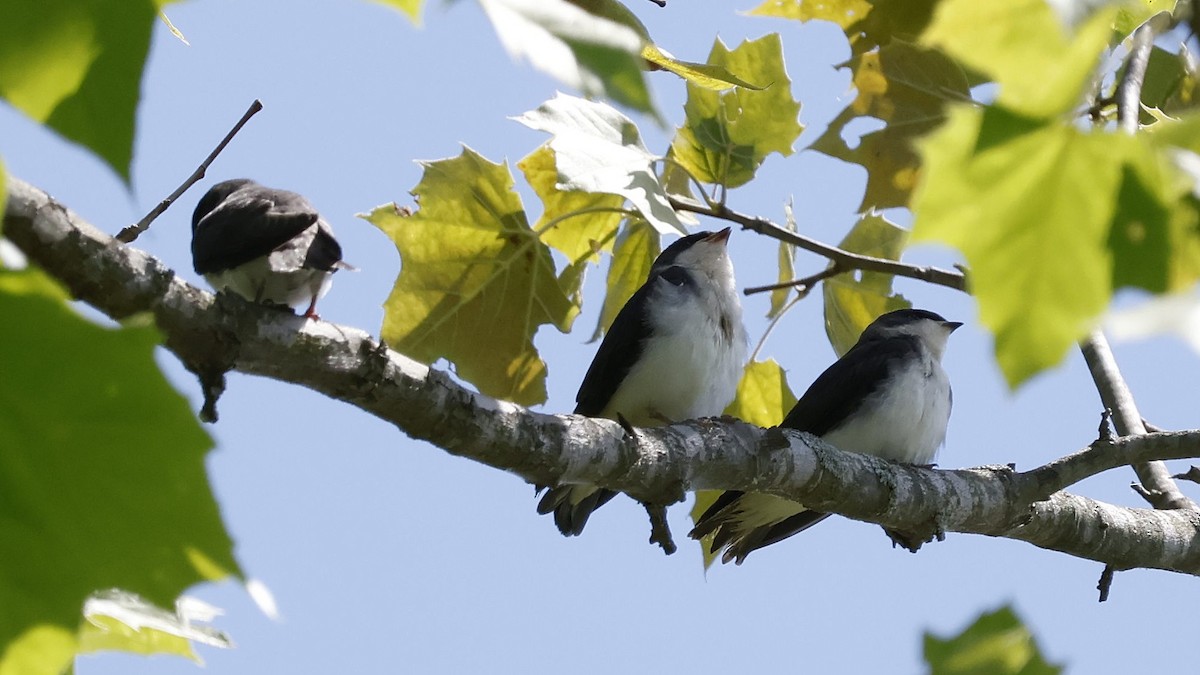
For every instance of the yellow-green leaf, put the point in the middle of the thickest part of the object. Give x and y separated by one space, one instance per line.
475 281
907 87
855 299
997 643
77 66
1030 204
410 8
595 55
705 75
584 235
844 13
120 621
727 135
597 149
637 247
763 398
1041 68
787 268
102 478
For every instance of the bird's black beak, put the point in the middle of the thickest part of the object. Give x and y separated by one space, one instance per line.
719 237
951 326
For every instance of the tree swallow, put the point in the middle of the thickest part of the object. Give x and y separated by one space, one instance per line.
888 396
675 351
268 246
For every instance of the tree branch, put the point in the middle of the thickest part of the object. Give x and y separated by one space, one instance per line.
657 466
1159 489
844 259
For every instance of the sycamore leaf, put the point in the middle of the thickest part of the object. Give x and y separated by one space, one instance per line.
763 398
594 55
727 135
410 8
868 24
637 247
705 75
118 620
475 281
844 13
579 237
102 479
996 644
76 67
907 87
597 149
786 259
855 299
1030 205
1040 67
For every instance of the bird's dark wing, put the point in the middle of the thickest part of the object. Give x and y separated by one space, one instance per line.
622 345
325 252
842 388
835 395
248 224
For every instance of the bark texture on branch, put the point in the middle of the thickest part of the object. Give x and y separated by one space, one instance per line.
212 334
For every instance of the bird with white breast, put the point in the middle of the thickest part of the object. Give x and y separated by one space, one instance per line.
887 396
675 351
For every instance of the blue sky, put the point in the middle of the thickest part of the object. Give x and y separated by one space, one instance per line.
388 555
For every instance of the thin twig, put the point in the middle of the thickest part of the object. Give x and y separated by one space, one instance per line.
803 286
850 261
134 231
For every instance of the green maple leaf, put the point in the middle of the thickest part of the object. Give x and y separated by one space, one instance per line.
585 51
907 87
997 643
854 299
727 135
102 478
597 149
77 66
475 280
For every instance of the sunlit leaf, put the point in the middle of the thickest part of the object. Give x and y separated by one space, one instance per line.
786 259
410 8
594 55
1041 68
844 13
475 281
727 135
637 247
996 644
1030 205
704 75
763 398
907 87
102 479
121 621
855 299
77 67
579 237
597 149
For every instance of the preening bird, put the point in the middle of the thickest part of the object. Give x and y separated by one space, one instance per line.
675 351
888 396
268 246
